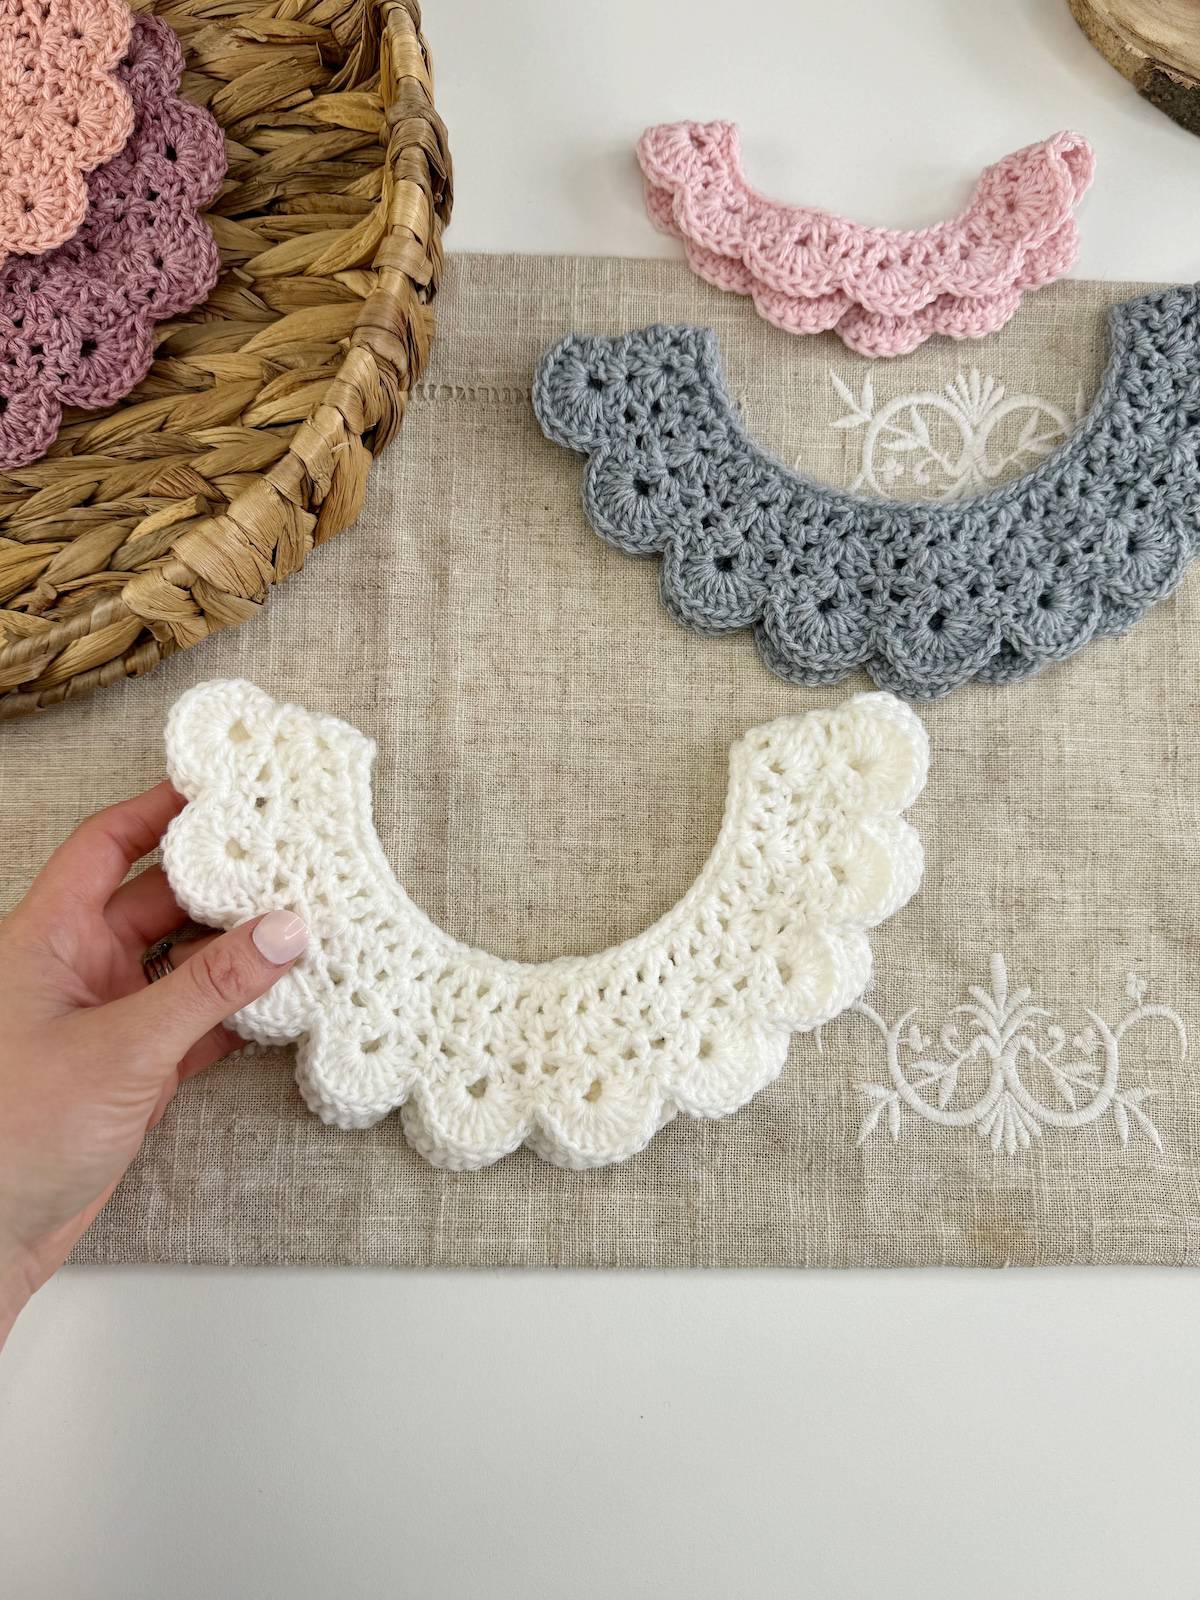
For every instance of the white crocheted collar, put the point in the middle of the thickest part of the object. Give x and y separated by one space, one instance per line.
584 1057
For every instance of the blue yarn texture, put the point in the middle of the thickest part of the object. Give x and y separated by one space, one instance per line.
924 595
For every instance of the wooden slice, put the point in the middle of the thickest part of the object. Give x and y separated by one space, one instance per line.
1153 43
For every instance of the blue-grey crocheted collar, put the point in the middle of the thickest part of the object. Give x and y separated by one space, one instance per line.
923 595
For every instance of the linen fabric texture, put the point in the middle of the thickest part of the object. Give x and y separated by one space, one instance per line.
551 777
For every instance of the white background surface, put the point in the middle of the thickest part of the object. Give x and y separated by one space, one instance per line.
191 1434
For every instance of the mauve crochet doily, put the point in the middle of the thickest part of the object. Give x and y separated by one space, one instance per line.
62 113
924 595
76 324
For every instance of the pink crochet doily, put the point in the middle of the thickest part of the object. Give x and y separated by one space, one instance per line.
75 325
62 113
885 291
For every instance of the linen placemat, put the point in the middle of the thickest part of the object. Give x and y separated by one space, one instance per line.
551 775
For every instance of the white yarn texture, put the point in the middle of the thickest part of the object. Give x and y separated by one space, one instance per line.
583 1058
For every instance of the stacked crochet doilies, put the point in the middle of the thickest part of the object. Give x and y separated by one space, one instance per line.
104 170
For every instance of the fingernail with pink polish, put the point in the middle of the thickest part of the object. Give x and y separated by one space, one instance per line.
281 936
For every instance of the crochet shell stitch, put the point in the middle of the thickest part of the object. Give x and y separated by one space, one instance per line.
924 595
885 291
62 113
76 325
582 1058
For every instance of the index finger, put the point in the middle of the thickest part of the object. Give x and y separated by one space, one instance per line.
91 862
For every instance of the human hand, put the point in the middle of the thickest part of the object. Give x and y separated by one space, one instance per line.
91 1052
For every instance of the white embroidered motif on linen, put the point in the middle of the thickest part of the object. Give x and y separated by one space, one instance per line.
942 446
1017 1070
584 1057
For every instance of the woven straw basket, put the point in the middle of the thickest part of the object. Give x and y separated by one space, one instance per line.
155 523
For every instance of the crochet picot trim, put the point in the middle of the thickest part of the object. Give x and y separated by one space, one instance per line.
884 290
62 113
924 595
585 1057
76 324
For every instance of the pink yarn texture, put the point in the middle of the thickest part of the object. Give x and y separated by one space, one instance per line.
76 324
62 113
883 290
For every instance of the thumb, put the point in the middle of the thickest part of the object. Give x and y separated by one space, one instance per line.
229 972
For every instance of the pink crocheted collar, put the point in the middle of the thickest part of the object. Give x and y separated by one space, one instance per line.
62 112
884 289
